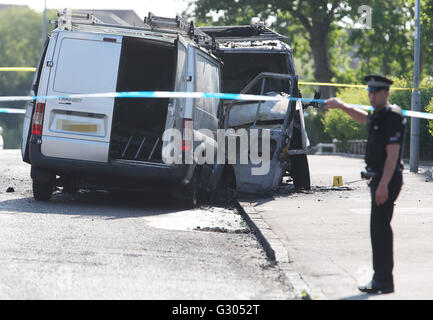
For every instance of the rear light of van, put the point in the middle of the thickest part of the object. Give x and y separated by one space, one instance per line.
187 135
38 119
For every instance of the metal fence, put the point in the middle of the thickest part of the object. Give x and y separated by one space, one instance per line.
356 147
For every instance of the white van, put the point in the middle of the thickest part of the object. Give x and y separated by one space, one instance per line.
117 142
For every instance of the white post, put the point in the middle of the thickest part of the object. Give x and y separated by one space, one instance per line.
1 139
416 94
44 23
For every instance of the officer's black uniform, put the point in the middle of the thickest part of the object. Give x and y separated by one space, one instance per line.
384 127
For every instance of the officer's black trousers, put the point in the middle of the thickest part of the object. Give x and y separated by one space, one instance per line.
381 232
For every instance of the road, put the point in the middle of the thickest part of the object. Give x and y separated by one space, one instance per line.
99 245
325 233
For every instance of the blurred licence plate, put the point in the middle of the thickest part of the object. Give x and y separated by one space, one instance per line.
68 125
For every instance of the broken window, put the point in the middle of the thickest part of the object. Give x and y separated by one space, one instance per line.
242 67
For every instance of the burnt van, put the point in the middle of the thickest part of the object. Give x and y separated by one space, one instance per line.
114 142
259 61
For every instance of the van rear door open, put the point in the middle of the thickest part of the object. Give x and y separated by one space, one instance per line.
80 128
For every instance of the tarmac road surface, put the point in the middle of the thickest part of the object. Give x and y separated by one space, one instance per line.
99 245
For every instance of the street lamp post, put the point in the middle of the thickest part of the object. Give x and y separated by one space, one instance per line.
44 23
416 94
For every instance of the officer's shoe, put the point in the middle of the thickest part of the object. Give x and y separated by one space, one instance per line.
374 287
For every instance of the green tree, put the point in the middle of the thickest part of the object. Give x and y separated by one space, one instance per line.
403 99
315 17
426 36
318 19
339 125
429 108
387 47
20 46
315 127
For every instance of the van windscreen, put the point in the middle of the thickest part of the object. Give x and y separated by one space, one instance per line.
240 68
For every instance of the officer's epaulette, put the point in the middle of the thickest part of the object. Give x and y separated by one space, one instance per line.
395 108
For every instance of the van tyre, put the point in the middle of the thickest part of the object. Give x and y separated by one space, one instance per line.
300 172
191 197
42 191
226 192
191 192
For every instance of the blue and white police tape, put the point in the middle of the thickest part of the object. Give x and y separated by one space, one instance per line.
406 113
158 94
12 110
195 95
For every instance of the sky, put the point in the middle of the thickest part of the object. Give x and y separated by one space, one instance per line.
167 8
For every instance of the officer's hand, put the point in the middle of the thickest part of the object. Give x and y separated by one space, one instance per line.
333 103
381 194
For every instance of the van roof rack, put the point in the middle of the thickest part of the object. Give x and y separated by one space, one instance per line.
253 32
182 26
68 19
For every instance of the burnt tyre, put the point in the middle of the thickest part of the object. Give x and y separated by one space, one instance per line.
190 196
300 172
191 192
226 192
42 190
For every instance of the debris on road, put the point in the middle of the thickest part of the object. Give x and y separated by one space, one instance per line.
222 230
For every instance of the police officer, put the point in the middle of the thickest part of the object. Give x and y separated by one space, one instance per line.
383 158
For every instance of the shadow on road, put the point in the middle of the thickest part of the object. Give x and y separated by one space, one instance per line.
287 191
113 205
362 296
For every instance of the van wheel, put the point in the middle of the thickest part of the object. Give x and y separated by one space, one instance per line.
42 191
191 192
226 192
191 197
300 172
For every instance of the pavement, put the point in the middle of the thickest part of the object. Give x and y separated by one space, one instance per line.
321 240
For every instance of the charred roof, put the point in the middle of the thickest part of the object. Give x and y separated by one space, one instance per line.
253 32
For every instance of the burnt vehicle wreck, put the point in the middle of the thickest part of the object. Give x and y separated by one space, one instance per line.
259 61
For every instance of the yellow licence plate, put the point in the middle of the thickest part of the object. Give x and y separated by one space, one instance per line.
67 125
